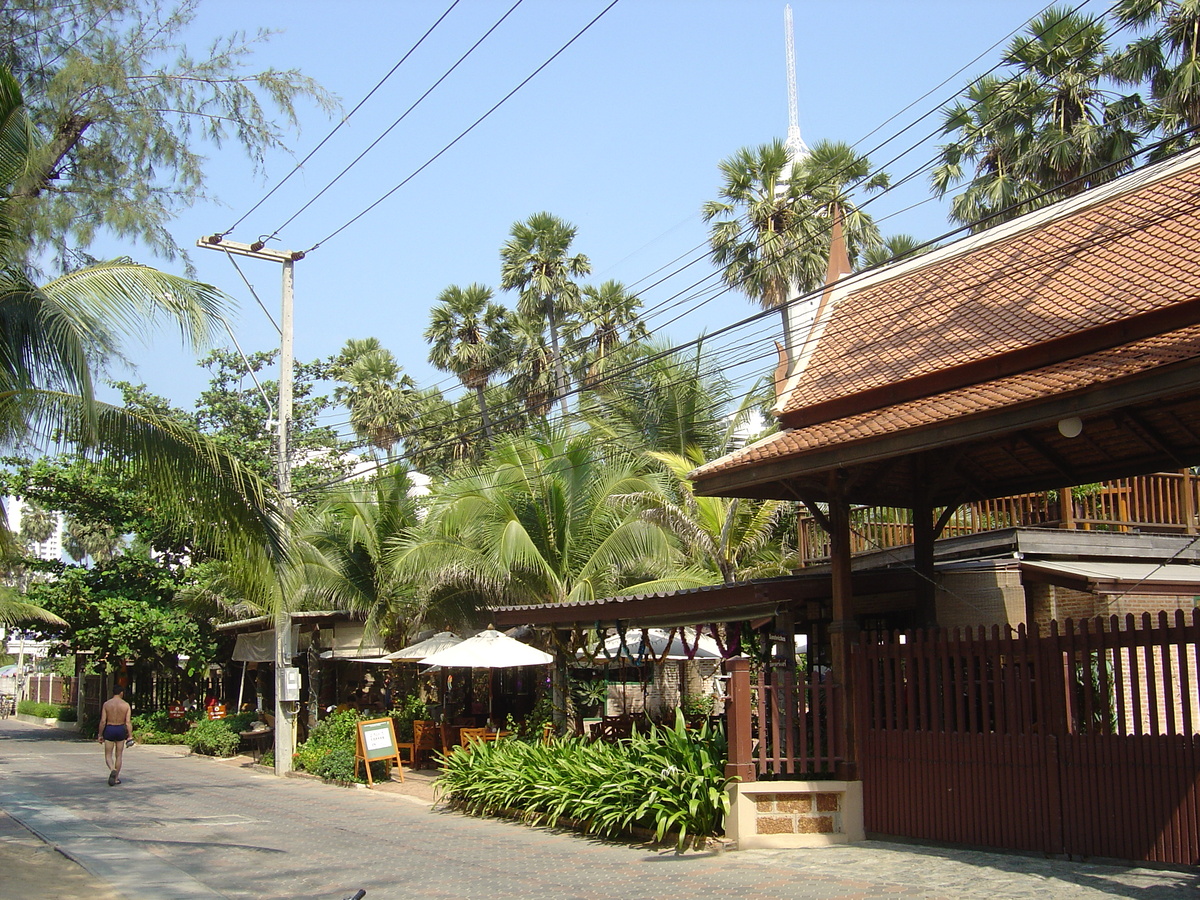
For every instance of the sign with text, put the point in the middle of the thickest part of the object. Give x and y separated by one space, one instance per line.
376 739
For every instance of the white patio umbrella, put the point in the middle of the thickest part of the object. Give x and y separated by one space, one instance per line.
443 640
653 642
489 649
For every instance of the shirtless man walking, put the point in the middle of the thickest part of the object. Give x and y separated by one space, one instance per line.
115 727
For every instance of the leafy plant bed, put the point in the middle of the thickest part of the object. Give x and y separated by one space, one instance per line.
664 781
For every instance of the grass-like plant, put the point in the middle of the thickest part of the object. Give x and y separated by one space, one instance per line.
667 779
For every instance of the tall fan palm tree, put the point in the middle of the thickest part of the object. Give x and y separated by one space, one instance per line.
51 332
771 229
608 317
1046 130
537 262
1168 59
376 391
471 337
37 524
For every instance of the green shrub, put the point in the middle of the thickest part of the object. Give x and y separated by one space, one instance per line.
666 779
267 759
36 708
409 708
332 735
212 738
68 714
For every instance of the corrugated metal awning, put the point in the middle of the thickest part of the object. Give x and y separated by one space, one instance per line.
1159 578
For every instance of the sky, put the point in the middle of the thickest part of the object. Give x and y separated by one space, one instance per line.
621 135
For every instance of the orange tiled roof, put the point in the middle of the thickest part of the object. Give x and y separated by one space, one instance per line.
1131 253
1072 376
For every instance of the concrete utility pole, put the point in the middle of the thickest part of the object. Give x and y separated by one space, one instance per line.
286 680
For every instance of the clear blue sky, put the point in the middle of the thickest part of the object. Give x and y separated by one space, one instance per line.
621 135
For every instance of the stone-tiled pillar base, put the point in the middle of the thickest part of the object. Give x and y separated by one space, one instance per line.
781 814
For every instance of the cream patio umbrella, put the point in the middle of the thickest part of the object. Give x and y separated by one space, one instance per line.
490 649
417 652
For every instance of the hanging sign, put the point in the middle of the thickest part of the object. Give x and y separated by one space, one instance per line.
376 739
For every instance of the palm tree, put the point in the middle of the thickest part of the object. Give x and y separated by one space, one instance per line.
895 248
1047 125
1078 142
97 541
770 229
533 367
347 549
471 337
610 311
37 524
376 391
536 262
540 522
1168 60
731 538
50 333
656 399
16 611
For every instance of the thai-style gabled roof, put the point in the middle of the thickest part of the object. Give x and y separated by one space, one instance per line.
948 374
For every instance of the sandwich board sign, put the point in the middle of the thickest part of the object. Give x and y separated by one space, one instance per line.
376 739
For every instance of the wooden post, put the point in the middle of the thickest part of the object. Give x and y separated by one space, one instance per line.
843 630
737 712
1066 509
1187 504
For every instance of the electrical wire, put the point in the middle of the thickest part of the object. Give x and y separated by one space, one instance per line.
467 130
343 121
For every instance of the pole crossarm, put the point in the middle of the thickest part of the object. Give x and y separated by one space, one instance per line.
255 250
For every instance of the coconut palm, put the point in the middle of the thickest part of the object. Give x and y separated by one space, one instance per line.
51 332
471 337
537 262
346 551
656 399
770 229
539 522
1168 60
731 538
16 611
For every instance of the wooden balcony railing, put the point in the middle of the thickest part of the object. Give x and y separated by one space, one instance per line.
1165 503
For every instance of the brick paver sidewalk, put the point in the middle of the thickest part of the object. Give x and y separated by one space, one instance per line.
219 829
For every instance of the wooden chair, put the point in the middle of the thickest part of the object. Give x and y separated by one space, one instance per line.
466 735
426 738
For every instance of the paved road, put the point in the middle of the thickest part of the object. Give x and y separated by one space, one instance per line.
190 827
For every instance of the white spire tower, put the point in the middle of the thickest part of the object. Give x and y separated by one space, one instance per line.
796 147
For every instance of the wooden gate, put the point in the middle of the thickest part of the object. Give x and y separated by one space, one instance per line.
1082 742
795 725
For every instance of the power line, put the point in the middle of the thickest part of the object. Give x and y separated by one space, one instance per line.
468 129
344 120
400 119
